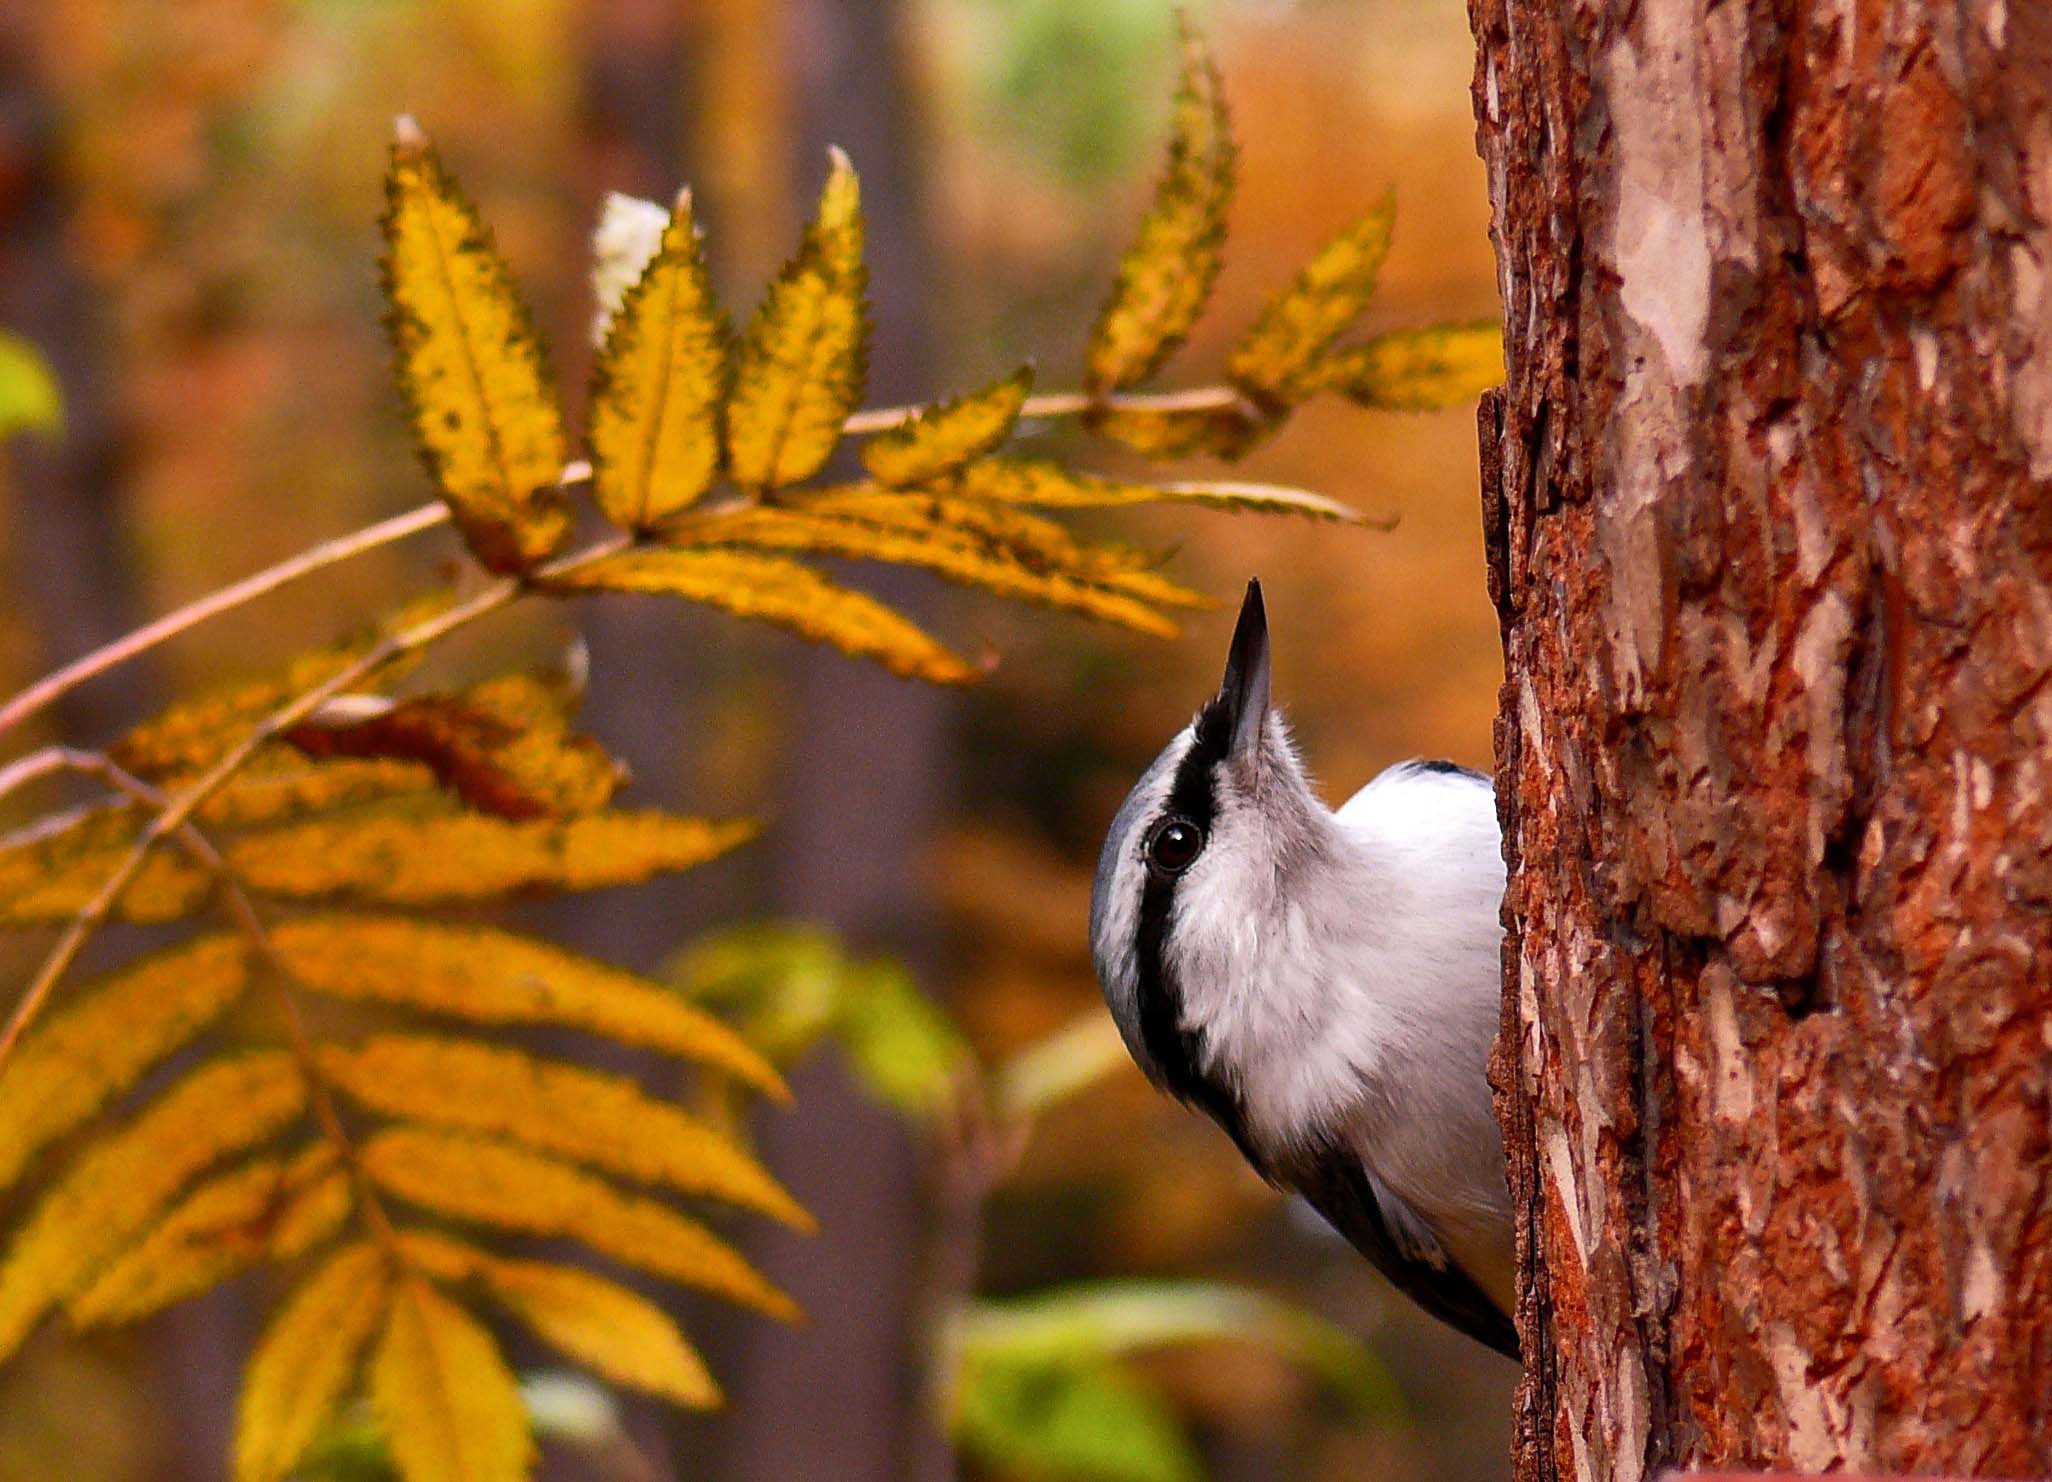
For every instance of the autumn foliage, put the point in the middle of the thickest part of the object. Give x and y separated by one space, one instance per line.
340 1099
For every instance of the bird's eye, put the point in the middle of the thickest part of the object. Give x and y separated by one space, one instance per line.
1174 844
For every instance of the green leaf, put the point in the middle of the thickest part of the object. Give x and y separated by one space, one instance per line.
779 983
788 987
899 1044
1062 1418
30 400
1096 1320
1063 1064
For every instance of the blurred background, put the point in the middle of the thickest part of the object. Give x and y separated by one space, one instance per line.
188 203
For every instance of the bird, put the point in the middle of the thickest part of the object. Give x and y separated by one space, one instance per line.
1324 984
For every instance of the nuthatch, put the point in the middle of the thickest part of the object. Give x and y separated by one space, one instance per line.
1325 985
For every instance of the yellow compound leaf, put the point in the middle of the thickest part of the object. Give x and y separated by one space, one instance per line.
470 365
1166 276
91 1051
447 1403
1262 499
269 1209
658 385
1033 540
1163 432
943 437
50 872
801 365
193 734
281 783
1050 486
488 976
418 859
616 1333
1278 359
784 594
919 539
305 1361
604 1120
116 1190
504 747
1036 482
1420 370
495 1183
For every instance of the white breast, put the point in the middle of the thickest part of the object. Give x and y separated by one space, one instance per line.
1359 1000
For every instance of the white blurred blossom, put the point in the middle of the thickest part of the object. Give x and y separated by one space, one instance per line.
630 232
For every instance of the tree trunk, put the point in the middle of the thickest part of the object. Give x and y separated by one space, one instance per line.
1769 505
866 780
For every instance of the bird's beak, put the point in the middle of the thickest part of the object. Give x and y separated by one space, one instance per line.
1244 690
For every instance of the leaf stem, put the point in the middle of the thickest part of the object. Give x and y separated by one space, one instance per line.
1068 404
33 767
182 806
235 898
61 682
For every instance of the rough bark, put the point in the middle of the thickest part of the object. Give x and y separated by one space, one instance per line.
1769 505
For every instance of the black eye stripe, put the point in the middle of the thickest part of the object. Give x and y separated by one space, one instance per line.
1172 1047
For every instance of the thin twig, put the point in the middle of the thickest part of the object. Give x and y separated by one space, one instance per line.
195 793
55 685
33 767
103 768
181 807
52 686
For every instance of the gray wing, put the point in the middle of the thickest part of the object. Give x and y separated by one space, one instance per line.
1399 1244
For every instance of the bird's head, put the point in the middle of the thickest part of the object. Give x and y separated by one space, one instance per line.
1196 866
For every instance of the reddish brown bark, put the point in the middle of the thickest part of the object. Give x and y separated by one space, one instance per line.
1769 494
